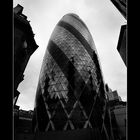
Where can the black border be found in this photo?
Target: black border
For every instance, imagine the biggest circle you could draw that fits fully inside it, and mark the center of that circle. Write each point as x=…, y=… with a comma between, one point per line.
x=6, y=57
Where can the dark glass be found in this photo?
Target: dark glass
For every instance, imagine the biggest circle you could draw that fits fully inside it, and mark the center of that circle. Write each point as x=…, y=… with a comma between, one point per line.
x=70, y=80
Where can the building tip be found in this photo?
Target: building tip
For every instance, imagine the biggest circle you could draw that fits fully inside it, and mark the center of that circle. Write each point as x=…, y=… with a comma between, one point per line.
x=72, y=14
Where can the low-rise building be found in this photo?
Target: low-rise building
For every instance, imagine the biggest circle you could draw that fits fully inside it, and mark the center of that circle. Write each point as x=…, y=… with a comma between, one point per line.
x=22, y=124
x=118, y=111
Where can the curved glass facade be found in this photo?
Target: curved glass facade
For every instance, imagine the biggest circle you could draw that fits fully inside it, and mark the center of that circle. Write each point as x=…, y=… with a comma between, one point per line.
x=70, y=93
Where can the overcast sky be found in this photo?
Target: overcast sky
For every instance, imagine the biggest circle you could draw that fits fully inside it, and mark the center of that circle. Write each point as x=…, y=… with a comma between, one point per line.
x=104, y=22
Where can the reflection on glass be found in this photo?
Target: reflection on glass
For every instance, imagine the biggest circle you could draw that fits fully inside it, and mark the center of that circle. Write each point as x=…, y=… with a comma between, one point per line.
x=71, y=78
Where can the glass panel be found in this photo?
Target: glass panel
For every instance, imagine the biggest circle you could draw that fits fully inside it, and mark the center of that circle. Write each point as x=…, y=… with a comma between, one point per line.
x=64, y=86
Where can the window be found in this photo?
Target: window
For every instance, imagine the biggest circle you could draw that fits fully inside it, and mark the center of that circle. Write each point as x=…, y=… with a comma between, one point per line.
x=25, y=44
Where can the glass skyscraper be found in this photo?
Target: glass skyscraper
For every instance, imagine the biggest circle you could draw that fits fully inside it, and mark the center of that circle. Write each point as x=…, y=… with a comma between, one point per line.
x=70, y=93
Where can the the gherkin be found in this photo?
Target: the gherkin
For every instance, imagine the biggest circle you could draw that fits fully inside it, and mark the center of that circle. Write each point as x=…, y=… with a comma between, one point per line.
x=70, y=93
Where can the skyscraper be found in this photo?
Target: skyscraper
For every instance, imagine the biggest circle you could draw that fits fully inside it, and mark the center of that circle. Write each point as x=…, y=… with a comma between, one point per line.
x=70, y=93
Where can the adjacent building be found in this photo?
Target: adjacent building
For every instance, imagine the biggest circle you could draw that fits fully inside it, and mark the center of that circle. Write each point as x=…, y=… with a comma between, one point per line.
x=70, y=95
x=121, y=5
x=122, y=44
x=113, y=96
x=119, y=120
x=118, y=112
x=118, y=107
x=24, y=46
x=23, y=121
x=22, y=124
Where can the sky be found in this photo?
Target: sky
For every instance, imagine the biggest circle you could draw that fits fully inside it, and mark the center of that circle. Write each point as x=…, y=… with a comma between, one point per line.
x=104, y=23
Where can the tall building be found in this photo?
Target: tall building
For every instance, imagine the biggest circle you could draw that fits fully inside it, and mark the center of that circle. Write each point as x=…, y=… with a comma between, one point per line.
x=24, y=46
x=70, y=93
